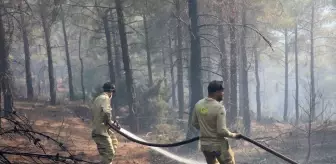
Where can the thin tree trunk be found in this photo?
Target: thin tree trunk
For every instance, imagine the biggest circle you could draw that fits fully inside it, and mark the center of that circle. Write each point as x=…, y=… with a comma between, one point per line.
x=68, y=60
x=117, y=61
x=1, y=112
x=312, y=65
x=164, y=67
x=206, y=69
x=5, y=73
x=118, y=71
x=240, y=66
x=29, y=80
x=46, y=29
x=309, y=138
x=285, y=116
x=323, y=109
x=195, y=64
x=245, y=94
x=172, y=75
x=82, y=65
x=109, y=48
x=224, y=60
x=149, y=61
x=109, y=57
x=209, y=65
x=296, y=77
x=128, y=72
x=232, y=116
x=256, y=71
x=180, y=86
x=0, y=95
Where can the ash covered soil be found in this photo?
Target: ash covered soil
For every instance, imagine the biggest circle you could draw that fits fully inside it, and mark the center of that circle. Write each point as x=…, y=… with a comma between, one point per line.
x=61, y=123
x=68, y=124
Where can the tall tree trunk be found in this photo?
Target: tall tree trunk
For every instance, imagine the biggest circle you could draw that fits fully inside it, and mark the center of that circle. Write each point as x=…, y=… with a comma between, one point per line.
x=195, y=64
x=5, y=73
x=245, y=94
x=1, y=112
x=285, y=116
x=149, y=61
x=110, y=57
x=172, y=75
x=312, y=65
x=256, y=72
x=296, y=77
x=128, y=72
x=82, y=65
x=68, y=60
x=207, y=68
x=0, y=94
x=117, y=61
x=46, y=29
x=29, y=80
x=209, y=65
x=232, y=116
x=164, y=66
x=240, y=66
x=224, y=60
x=109, y=47
x=180, y=86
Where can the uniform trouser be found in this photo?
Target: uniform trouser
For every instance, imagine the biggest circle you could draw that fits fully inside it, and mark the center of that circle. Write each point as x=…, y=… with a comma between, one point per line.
x=106, y=146
x=224, y=155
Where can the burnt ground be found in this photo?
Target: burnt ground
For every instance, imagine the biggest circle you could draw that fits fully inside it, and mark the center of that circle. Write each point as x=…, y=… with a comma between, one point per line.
x=68, y=124
x=62, y=124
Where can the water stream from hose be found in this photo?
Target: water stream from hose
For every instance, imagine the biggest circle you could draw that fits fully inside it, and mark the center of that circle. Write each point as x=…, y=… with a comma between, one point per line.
x=164, y=152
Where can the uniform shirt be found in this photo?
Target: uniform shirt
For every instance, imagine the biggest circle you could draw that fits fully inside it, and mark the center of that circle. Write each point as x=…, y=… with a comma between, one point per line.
x=209, y=117
x=101, y=111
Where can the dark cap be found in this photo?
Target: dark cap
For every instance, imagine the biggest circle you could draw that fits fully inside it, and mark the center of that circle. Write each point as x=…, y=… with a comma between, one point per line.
x=109, y=87
x=215, y=86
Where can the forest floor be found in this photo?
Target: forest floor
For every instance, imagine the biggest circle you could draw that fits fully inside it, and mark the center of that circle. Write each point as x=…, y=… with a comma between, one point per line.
x=61, y=123
x=68, y=123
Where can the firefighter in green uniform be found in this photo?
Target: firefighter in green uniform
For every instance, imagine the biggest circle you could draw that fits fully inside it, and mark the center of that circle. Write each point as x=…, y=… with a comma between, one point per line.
x=209, y=117
x=105, y=139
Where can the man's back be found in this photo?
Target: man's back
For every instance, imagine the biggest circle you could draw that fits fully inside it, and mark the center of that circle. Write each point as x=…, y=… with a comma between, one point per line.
x=100, y=104
x=206, y=112
x=209, y=116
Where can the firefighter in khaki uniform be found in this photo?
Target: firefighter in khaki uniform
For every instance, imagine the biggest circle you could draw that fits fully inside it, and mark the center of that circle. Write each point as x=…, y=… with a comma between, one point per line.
x=105, y=139
x=210, y=118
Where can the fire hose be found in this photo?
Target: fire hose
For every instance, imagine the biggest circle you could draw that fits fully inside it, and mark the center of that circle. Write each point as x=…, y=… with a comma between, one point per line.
x=116, y=127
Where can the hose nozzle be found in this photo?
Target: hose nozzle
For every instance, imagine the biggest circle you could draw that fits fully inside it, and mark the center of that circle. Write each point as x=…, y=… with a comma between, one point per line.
x=114, y=125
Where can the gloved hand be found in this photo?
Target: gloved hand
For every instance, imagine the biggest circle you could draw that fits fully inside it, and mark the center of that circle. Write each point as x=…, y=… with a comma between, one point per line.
x=114, y=124
x=237, y=136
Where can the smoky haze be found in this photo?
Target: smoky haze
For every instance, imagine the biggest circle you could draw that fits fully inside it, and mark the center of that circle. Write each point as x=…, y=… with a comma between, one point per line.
x=276, y=60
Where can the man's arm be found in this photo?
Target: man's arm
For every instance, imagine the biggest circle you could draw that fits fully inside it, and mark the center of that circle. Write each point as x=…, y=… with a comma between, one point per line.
x=106, y=108
x=194, y=119
x=221, y=124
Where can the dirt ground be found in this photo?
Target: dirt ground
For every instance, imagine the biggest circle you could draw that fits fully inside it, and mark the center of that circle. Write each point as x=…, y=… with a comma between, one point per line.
x=61, y=123
x=69, y=125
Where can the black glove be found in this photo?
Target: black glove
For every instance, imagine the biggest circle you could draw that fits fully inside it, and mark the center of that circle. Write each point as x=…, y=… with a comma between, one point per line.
x=115, y=124
x=238, y=136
